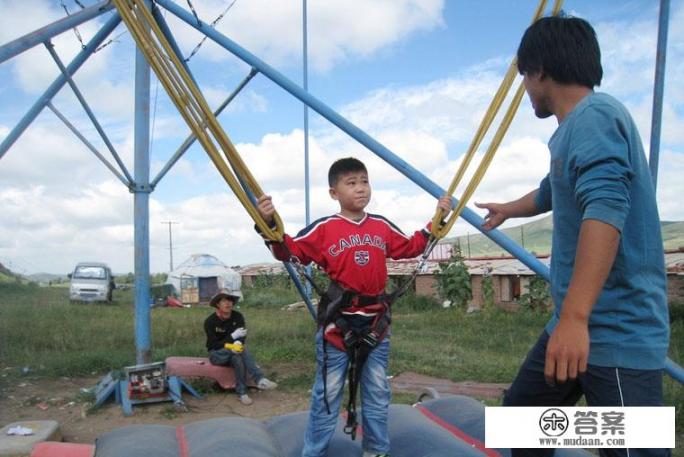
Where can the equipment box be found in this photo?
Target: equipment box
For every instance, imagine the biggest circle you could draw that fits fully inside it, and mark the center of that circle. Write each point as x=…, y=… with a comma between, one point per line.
x=147, y=383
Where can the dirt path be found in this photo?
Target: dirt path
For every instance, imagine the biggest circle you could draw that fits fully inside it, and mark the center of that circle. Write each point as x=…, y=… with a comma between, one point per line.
x=61, y=400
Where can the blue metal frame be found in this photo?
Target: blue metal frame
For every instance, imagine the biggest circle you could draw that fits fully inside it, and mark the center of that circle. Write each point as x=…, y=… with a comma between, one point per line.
x=190, y=140
x=21, y=44
x=55, y=87
x=88, y=144
x=89, y=112
x=658, y=90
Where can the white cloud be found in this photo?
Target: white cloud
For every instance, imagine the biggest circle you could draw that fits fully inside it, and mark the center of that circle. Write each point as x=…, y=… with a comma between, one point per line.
x=671, y=185
x=248, y=100
x=338, y=30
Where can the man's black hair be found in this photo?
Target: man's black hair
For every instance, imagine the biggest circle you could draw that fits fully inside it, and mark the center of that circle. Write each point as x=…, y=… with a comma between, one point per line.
x=343, y=166
x=564, y=48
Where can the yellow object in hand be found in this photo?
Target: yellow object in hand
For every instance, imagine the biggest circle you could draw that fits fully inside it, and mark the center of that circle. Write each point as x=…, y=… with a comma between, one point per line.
x=235, y=347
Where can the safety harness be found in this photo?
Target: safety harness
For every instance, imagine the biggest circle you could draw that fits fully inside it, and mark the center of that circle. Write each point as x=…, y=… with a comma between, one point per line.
x=360, y=335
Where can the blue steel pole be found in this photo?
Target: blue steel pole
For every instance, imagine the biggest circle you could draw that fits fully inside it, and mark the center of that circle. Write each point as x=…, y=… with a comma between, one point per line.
x=58, y=83
x=21, y=44
x=675, y=371
x=352, y=130
x=306, y=119
x=141, y=190
x=658, y=90
x=307, y=195
x=300, y=288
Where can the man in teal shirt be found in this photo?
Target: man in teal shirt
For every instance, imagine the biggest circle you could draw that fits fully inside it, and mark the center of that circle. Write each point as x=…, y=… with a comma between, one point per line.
x=609, y=334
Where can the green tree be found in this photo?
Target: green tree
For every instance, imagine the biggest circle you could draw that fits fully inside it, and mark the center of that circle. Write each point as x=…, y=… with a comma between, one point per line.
x=453, y=280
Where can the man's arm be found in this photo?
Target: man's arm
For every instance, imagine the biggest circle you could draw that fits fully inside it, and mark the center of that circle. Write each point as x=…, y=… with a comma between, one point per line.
x=568, y=349
x=525, y=206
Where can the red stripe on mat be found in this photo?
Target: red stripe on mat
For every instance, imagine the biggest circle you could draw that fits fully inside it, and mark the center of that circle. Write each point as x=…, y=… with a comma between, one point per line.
x=182, y=442
x=58, y=449
x=457, y=432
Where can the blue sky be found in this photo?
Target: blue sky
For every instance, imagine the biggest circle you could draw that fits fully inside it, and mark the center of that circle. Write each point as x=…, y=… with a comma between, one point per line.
x=415, y=74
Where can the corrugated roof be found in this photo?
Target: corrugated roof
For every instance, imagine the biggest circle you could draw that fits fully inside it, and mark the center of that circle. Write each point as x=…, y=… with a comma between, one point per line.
x=674, y=263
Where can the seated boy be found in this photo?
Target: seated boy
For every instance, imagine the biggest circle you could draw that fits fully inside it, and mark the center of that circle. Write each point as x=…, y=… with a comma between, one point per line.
x=351, y=247
x=227, y=326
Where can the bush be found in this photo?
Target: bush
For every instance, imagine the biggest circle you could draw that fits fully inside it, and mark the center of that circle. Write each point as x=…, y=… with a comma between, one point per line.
x=453, y=280
x=537, y=297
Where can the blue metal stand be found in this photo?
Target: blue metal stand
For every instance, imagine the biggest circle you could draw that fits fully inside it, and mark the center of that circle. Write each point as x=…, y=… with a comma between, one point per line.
x=109, y=386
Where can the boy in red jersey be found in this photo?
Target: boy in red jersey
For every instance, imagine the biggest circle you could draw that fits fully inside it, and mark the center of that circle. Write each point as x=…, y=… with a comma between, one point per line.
x=352, y=247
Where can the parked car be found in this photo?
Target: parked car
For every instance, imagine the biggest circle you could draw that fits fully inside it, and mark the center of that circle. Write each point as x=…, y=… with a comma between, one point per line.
x=91, y=281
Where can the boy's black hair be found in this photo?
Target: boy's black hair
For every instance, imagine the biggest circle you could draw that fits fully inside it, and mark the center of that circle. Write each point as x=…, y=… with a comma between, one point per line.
x=344, y=166
x=564, y=48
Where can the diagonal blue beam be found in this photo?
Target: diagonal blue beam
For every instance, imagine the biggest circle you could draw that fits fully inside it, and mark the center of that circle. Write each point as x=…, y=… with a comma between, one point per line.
x=88, y=144
x=21, y=44
x=51, y=49
x=192, y=138
x=55, y=87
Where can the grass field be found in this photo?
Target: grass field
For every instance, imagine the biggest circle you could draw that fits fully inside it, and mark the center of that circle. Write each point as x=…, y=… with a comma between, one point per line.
x=41, y=330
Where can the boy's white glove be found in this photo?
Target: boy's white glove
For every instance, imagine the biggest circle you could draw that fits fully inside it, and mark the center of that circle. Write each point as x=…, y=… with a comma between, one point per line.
x=239, y=333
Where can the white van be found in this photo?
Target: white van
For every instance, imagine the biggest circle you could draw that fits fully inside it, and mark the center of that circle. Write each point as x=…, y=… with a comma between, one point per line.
x=91, y=281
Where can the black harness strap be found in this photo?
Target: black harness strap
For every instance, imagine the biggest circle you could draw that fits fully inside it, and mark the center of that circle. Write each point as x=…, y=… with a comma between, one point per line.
x=358, y=355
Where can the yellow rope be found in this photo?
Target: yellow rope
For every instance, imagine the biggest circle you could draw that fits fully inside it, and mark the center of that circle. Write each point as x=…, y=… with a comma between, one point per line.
x=440, y=226
x=194, y=109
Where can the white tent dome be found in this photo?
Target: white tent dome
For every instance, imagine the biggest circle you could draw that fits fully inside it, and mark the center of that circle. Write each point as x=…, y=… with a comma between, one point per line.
x=206, y=275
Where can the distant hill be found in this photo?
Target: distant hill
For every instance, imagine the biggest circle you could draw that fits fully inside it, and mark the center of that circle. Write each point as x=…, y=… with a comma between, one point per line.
x=535, y=236
x=45, y=278
x=7, y=275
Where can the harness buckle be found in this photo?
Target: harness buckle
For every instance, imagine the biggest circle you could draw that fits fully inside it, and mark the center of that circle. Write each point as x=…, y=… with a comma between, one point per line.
x=370, y=339
x=349, y=339
x=350, y=427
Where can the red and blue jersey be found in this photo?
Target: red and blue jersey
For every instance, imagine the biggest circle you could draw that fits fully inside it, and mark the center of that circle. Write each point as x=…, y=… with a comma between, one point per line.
x=352, y=253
